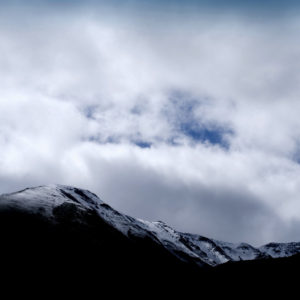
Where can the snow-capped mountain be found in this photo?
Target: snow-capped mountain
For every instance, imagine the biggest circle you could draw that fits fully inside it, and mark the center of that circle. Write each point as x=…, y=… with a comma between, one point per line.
x=57, y=203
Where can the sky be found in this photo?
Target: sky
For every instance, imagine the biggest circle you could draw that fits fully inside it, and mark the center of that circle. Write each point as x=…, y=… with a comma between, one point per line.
x=180, y=111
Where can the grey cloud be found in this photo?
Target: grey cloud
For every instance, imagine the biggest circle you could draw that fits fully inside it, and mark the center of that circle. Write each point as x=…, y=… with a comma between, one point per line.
x=217, y=211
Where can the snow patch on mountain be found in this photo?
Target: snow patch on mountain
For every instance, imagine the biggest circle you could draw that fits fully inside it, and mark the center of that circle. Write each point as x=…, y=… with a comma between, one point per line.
x=277, y=250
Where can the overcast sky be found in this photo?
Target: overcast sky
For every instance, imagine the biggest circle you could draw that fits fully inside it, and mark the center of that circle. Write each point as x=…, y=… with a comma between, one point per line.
x=180, y=111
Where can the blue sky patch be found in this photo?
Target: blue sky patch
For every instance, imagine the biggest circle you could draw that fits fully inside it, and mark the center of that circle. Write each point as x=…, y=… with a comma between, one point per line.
x=181, y=114
x=198, y=133
x=143, y=144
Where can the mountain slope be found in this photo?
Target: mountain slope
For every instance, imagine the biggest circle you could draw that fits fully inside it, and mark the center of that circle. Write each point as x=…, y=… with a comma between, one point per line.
x=59, y=238
x=57, y=204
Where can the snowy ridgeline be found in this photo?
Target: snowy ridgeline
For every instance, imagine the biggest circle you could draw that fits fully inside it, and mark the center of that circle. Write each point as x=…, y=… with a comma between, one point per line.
x=187, y=247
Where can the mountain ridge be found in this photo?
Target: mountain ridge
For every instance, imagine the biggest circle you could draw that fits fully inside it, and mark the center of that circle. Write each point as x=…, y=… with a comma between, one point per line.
x=58, y=202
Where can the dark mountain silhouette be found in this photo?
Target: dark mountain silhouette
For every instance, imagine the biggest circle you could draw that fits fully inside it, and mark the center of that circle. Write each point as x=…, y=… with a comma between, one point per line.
x=64, y=238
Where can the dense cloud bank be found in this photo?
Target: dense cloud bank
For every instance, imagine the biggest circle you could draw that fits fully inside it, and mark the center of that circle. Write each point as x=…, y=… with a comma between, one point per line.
x=194, y=121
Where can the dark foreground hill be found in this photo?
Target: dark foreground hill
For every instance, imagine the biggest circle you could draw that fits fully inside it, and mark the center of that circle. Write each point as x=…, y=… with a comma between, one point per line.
x=62, y=238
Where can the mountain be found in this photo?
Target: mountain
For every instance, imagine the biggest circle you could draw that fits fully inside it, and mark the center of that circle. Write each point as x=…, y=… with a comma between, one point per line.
x=57, y=202
x=64, y=233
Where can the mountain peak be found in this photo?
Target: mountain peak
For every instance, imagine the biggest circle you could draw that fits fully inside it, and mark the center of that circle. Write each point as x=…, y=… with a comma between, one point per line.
x=45, y=198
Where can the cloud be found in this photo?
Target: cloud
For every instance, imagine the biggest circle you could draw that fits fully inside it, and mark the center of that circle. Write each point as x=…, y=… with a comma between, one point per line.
x=190, y=120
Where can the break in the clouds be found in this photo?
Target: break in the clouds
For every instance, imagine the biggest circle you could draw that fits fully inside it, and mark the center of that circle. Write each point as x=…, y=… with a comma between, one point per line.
x=191, y=118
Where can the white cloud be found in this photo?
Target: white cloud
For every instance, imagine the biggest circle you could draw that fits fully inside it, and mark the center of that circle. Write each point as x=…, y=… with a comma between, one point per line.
x=76, y=92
